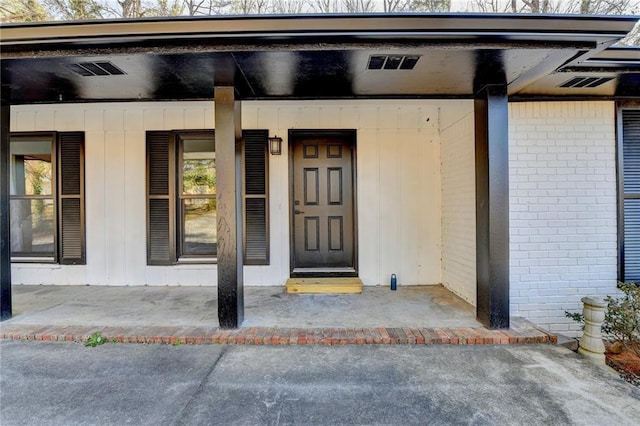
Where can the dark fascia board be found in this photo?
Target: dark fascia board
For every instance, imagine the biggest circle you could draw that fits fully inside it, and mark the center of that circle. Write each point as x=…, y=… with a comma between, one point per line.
x=620, y=52
x=327, y=28
x=615, y=58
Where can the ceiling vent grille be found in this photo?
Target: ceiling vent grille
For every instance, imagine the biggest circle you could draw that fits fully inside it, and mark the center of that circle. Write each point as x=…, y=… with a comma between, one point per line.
x=392, y=62
x=89, y=69
x=579, y=82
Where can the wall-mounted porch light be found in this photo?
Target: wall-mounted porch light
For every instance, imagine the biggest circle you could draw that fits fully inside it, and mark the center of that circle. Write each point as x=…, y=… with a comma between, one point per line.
x=275, y=145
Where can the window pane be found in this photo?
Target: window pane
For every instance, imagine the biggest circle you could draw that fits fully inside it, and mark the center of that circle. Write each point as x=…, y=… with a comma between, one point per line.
x=199, y=226
x=31, y=168
x=32, y=226
x=198, y=167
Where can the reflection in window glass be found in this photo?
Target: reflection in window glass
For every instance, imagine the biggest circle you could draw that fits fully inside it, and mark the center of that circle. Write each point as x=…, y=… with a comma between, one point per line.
x=31, y=171
x=198, y=167
x=199, y=236
x=198, y=197
x=32, y=226
x=32, y=208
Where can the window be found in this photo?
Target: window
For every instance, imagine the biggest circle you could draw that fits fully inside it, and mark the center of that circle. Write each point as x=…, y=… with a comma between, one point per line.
x=629, y=196
x=47, y=198
x=197, y=195
x=181, y=197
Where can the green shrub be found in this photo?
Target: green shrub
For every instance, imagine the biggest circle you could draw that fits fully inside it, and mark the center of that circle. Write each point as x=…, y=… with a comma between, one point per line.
x=576, y=316
x=622, y=317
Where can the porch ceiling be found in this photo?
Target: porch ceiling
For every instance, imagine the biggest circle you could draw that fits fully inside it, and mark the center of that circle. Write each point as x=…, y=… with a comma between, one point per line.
x=302, y=57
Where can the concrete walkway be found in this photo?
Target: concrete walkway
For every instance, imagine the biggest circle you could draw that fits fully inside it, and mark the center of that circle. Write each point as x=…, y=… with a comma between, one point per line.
x=411, y=315
x=45, y=383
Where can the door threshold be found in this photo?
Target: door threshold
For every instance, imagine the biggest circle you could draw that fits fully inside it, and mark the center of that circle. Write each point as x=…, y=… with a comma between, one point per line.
x=342, y=285
x=323, y=272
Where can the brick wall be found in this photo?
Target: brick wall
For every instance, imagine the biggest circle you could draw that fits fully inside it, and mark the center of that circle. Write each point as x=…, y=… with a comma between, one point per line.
x=562, y=208
x=457, y=154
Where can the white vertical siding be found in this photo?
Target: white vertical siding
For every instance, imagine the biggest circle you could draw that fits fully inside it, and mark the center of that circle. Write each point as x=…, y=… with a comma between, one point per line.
x=429, y=230
x=95, y=206
x=368, y=206
x=388, y=169
x=458, y=200
x=114, y=186
x=135, y=214
x=398, y=187
x=411, y=194
x=44, y=120
x=397, y=152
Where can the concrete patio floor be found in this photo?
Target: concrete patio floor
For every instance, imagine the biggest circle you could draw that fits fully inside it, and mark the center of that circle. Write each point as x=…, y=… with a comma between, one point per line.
x=415, y=306
x=410, y=315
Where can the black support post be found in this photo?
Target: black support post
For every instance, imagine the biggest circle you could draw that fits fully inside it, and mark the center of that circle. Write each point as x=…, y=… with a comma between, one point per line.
x=229, y=199
x=6, y=309
x=492, y=205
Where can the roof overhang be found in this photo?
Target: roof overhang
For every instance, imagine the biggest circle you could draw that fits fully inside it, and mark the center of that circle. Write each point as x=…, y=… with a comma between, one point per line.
x=319, y=56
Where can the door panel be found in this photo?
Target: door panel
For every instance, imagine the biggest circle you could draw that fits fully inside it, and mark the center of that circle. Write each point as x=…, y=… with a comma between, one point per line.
x=323, y=219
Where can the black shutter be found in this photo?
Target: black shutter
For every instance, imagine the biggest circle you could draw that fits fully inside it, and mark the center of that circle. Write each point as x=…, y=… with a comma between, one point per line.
x=71, y=198
x=160, y=205
x=256, y=231
x=631, y=208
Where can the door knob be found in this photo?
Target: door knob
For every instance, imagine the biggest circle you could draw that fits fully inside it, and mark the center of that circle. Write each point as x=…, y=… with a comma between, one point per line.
x=297, y=211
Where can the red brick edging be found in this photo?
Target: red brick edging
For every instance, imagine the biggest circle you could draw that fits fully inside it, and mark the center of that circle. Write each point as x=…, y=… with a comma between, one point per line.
x=283, y=336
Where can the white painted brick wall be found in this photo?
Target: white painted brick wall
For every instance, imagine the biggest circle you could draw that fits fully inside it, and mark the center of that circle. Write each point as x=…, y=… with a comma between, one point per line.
x=457, y=155
x=562, y=208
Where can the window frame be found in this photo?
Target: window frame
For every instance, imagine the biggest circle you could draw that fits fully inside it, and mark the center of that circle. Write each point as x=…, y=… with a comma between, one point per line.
x=69, y=248
x=179, y=137
x=24, y=257
x=621, y=107
x=162, y=199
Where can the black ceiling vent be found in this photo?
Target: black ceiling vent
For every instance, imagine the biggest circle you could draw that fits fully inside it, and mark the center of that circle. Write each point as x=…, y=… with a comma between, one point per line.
x=392, y=62
x=89, y=69
x=578, y=82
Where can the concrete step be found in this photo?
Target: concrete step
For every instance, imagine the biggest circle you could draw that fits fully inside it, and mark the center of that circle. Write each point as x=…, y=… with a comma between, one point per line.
x=347, y=285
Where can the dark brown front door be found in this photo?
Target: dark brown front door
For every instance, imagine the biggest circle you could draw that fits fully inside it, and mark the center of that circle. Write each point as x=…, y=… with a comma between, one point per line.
x=323, y=225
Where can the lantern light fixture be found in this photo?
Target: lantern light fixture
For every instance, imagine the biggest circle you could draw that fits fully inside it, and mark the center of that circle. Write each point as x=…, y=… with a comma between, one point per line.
x=275, y=145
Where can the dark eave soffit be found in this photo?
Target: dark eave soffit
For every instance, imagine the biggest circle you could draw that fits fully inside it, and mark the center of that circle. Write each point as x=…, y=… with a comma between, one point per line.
x=315, y=57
